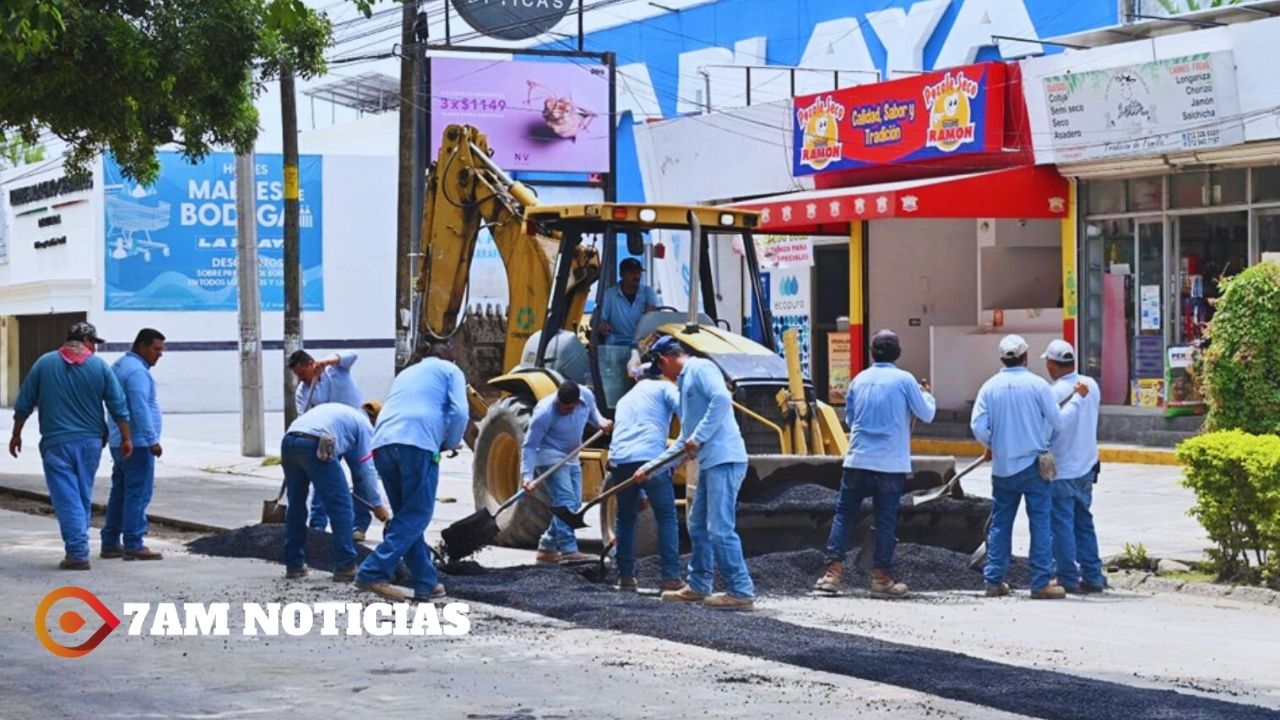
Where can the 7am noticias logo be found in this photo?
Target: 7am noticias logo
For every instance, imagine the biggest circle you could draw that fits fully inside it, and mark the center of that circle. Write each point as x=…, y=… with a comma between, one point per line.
x=269, y=619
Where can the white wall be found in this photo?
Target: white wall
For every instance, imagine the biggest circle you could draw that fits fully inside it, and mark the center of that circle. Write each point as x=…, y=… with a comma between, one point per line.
x=965, y=357
x=56, y=278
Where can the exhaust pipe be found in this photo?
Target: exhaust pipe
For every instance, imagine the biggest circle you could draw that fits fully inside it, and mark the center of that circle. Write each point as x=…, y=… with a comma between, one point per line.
x=695, y=264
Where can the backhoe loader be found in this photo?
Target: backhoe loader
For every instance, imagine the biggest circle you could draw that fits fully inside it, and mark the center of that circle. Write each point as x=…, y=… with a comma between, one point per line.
x=556, y=257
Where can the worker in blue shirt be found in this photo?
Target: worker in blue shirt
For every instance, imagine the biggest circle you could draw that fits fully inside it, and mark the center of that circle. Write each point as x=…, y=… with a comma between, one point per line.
x=70, y=386
x=133, y=478
x=1077, y=564
x=555, y=430
x=424, y=415
x=310, y=452
x=878, y=409
x=642, y=425
x=620, y=311
x=325, y=381
x=1013, y=416
x=709, y=432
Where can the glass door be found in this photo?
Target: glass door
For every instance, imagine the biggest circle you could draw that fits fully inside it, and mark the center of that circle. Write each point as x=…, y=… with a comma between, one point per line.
x=1268, y=235
x=1209, y=247
x=1148, y=332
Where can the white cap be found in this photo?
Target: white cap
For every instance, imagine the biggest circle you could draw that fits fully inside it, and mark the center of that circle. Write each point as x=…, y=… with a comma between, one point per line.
x=1059, y=351
x=1013, y=346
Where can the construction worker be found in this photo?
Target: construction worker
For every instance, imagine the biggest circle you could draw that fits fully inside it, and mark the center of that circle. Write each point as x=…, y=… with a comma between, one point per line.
x=310, y=452
x=555, y=431
x=642, y=424
x=709, y=433
x=1013, y=416
x=620, y=311
x=424, y=415
x=1075, y=448
x=134, y=477
x=70, y=386
x=325, y=381
x=878, y=409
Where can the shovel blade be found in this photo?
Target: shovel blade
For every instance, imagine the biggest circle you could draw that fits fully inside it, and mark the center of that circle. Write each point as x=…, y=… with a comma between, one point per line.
x=570, y=518
x=469, y=534
x=273, y=513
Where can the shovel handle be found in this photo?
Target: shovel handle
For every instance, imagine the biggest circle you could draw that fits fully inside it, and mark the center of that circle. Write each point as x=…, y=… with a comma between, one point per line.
x=550, y=471
x=283, y=485
x=602, y=497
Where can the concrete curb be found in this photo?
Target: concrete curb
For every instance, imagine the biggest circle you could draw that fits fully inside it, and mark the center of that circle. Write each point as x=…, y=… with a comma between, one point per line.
x=175, y=523
x=1143, y=581
x=1107, y=453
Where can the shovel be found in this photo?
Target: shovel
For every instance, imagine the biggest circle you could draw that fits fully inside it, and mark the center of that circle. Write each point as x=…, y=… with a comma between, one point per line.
x=478, y=529
x=577, y=521
x=273, y=511
x=921, y=498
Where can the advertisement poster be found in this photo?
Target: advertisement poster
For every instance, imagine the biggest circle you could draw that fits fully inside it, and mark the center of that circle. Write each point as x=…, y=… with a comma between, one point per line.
x=1150, y=307
x=776, y=251
x=1174, y=105
x=928, y=116
x=1182, y=388
x=839, y=372
x=789, y=302
x=546, y=116
x=171, y=245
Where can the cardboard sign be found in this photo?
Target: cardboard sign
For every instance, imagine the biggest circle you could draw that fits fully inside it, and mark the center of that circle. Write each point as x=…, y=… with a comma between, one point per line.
x=839, y=369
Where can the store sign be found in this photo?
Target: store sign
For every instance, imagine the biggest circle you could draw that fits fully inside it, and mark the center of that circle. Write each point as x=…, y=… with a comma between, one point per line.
x=47, y=189
x=545, y=116
x=512, y=19
x=926, y=117
x=777, y=251
x=1175, y=105
x=171, y=245
x=790, y=304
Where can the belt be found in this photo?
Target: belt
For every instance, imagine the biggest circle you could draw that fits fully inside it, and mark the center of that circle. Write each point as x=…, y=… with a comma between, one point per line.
x=308, y=436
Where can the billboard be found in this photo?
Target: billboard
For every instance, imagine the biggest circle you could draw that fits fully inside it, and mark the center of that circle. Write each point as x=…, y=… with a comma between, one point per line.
x=544, y=116
x=171, y=245
x=925, y=117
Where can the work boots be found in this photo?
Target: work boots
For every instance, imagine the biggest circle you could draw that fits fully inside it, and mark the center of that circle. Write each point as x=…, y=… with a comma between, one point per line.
x=345, y=575
x=1049, y=592
x=547, y=557
x=296, y=573
x=884, y=586
x=111, y=553
x=143, y=553
x=725, y=601
x=684, y=594
x=1000, y=590
x=830, y=581
x=577, y=557
x=69, y=564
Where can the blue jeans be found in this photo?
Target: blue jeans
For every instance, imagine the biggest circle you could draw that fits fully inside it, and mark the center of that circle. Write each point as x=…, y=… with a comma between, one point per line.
x=363, y=516
x=1074, y=539
x=132, y=480
x=885, y=491
x=662, y=498
x=713, y=532
x=302, y=470
x=68, y=472
x=1006, y=494
x=565, y=489
x=410, y=476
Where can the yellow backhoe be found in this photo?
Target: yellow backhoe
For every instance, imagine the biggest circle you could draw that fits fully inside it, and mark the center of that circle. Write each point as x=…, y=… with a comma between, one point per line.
x=556, y=257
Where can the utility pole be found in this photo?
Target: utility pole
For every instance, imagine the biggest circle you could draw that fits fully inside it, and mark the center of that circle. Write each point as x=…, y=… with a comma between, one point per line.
x=405, y=200
x=252, y=442
x=292, y=252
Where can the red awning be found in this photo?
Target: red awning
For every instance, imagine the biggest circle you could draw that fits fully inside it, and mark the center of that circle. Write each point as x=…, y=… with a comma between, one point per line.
x=1020, y=193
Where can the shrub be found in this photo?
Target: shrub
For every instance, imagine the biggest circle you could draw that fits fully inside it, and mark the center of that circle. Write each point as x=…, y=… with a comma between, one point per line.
x=1242, y=360
x=1236, y=480
x=1134, y=557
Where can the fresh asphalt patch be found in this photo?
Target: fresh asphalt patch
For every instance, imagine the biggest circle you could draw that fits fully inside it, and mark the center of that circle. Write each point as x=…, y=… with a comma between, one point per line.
x=565, y=594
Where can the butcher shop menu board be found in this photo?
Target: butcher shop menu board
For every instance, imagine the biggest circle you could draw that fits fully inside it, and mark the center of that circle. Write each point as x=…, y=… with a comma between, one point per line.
x=547, y=116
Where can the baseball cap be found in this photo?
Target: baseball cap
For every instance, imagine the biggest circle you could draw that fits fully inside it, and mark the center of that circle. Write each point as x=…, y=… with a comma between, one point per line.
x=630, y=264
x=885, y=344
x=665, y=345
x=84, y=331
x=1012, y=347
x=1059, y=351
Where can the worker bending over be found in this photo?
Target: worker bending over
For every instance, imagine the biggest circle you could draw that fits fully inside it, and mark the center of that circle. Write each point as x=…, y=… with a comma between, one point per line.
x=878, y=409
x=327, y=381
x=555, y=432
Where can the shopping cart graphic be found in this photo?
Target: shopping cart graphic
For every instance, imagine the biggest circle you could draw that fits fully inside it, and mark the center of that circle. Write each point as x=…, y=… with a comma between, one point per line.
x=126, y=217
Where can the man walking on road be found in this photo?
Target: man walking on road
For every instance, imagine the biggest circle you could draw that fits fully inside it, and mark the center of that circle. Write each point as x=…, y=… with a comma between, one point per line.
x=134, y=477
x=310, y=453
x=1078, y=566
x=1013, y=416
x=327, y=381
x=642, y=424
x=709, y=432
x=878, y=409
x=425, y=414
x=555, y=431
x=69, y=386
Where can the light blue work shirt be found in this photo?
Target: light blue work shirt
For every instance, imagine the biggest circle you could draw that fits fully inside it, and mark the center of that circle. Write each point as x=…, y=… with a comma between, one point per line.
x=145, y=421
x=878, y=409
x=352, y=435
x=426, y=408
x=334, y=385
x=1075, y=444
x=642, y=421
x=1014, y=414
x=70, y=397
x=623, y=315
x=552, y=435
x=706, y=415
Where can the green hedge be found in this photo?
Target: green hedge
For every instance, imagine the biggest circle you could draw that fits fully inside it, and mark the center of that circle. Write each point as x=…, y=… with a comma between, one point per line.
x=1242, y=361
x=1236, y=479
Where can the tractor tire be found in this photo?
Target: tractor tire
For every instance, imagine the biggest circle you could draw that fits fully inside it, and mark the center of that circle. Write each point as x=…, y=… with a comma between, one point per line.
x=496, y=473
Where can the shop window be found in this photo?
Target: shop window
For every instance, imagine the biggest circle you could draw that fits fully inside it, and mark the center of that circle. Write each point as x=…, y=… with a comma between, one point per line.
x=1268, y=235
x=1105, y=197
x=1266, y=183
x=1146, y=194
x=1207, y=188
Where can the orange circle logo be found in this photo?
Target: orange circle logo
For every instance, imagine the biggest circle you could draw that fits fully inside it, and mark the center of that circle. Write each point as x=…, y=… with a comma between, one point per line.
x=72, y=621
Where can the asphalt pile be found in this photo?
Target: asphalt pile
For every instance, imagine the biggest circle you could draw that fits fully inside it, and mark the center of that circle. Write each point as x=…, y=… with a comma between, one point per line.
x=566, y=594
x=800, y=498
